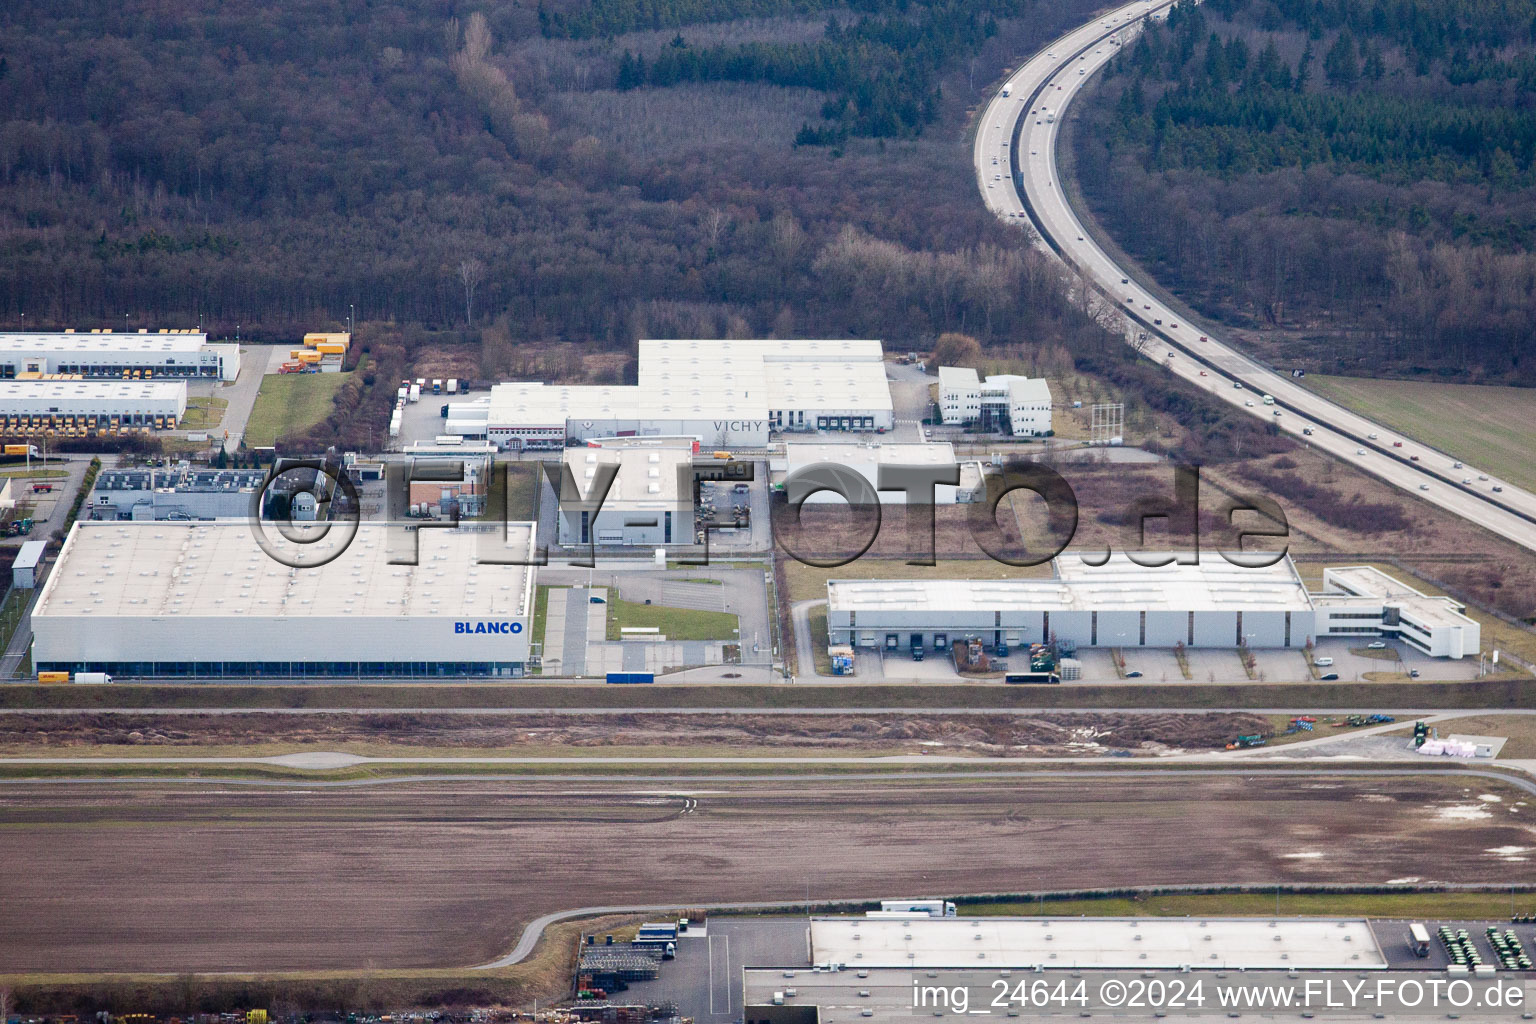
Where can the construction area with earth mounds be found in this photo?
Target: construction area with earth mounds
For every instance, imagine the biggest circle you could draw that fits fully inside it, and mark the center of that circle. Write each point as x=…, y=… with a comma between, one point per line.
x=182, y=876
x=1040, y=734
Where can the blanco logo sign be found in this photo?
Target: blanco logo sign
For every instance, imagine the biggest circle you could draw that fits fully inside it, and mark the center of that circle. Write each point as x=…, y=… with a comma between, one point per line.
x=487, y=627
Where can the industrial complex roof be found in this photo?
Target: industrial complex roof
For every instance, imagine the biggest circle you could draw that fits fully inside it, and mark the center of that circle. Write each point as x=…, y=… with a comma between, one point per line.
x=92, y=390
x=1022, y=942
x=218, y=569
x=1365, y=584
x=1214, y=584
x=60, y=341
x=702, y=379
x=647, y=476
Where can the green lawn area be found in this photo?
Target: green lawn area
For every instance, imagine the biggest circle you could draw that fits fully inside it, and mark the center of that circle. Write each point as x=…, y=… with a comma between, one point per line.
x=205, y=413
x=1494, y=428
x=291, y=403
x=817, y=617
x=674, y=623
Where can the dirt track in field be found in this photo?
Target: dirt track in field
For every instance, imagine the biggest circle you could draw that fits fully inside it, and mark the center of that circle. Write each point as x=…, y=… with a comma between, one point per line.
x=168, y=877
x=1036, y=735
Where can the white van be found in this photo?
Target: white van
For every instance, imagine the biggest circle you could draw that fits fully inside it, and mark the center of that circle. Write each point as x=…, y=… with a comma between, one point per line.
x=1323, y=662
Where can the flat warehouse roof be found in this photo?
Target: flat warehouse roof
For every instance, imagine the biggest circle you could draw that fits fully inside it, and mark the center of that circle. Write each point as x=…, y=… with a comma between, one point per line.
x=1020, y=942
x=646, y=478
x=712, y=379
x=104, y=390
x=155, y=569
x=58, y=341
x=1213, y=585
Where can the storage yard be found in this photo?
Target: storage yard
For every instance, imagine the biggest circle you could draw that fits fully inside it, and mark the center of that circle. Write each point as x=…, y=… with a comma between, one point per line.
x=179, y=877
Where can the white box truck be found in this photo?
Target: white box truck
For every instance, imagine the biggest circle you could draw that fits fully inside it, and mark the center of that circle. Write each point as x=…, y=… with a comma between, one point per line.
x=932, y=908
x=453, y=385
x=415, y=392
x=93, y=678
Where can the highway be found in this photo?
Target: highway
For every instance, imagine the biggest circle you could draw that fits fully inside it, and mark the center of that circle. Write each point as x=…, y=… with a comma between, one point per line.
x=1016, y=169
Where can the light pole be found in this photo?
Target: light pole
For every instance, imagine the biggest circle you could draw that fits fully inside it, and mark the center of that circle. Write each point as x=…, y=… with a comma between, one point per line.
x=351, y=318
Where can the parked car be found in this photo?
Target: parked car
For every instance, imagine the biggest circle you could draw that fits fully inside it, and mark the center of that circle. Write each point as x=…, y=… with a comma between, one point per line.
x=1329, y=677
x=1377, y=645
x=1134, y=673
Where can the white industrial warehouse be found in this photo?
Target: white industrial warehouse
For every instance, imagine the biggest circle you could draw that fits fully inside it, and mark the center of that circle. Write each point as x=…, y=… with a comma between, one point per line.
x=727, y=394
x=1095, y=943
x=1213, y=604
x=866, y=460
x=206, y=599
x=131, y=402
x=107, y=354
x=646, y=503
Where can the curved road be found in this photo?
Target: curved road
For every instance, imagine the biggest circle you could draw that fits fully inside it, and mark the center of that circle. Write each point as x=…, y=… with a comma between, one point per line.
x=1015, y=157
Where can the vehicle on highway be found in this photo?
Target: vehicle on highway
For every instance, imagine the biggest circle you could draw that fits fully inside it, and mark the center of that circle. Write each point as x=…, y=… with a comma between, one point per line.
x=1202, y=373
x=1082, y=71
x=1173, y=327
x=1376, y=645
x=1466, y=480
x=1277, y=412
x=1455, y=465
x=1170, y=355
x=1125, y=280
x=1238, y=385
x=1204, y=338
x=1413, y=458
x=1034, y=152
x=1079, y=238
x=1307, y=431
x=1497, y=488
x=1158, y=322
x=1269, y=399
x=1371, y=436
x=1423, y=487
x=1248, y=404
x=1146, y=307
x=1359, y=451
x=1482, y=476
x=1397, y=444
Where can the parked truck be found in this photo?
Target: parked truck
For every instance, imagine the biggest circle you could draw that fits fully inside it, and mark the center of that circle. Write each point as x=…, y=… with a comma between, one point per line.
x=415, y=393
x=933, y=908
x=453, y=385
x=21, y=449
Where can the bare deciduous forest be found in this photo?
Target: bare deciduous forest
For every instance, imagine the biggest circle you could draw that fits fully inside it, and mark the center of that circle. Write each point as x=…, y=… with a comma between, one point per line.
x=1351, y=180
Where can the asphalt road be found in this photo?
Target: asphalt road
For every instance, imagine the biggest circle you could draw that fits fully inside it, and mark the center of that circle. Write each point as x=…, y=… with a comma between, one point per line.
x=1037, y=93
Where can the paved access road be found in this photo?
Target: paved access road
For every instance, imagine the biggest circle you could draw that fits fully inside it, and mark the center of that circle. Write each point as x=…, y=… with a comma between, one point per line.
x=1023, y=185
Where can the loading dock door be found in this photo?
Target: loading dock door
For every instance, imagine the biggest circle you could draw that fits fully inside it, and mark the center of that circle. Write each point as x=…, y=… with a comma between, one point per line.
x=892, y=641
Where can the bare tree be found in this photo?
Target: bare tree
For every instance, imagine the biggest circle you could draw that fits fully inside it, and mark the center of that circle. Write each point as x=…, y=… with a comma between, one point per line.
x=714, y=226
x=471, y=272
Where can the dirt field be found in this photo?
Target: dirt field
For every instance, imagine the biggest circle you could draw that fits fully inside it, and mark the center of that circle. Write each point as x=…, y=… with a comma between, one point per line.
x=464, y=735
x=172, y=877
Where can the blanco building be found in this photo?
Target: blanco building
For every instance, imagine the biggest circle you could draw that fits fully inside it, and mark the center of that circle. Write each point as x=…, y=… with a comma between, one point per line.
x=1362, y=600
x=1214, y=604
x=106, y=354
x=1008, y=403
x=727, y=394
x=206, y=600
x=646, y=504
x=866, y=460
x=132, y=402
